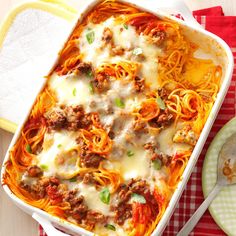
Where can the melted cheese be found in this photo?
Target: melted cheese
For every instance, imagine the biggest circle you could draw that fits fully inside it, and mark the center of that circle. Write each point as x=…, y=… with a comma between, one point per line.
x=74, y=90
x=101, y=230
x=97, y=53
x=166, y=144
x=92, y=199
x=59, y=142
x=70, y=89
x=136, y=166
x=28, y=180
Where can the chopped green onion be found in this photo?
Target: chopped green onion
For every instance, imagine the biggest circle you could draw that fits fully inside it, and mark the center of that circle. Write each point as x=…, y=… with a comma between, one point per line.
x=138, y=198
x=109, y=226
x=59, y=145
x=72, y=160
x=137, y=51
x=125, y=26
x=28, y=148
x=91, y=88
x=130, y=153
x=161, y=103
x=74, y=92
x=90, y=36
x=157, y=164
x=119, y=103
x=90, y=73
x=74, y=179
x=44, y=167
x=105, y=196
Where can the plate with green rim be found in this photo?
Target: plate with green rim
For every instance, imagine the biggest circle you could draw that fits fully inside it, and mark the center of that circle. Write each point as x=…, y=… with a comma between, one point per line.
x=223, y=208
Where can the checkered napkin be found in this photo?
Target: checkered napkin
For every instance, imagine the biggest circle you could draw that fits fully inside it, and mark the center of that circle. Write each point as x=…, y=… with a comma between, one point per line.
x=213, y=20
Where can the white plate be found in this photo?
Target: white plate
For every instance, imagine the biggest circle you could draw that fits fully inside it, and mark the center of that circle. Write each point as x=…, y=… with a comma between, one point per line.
x=223, y=208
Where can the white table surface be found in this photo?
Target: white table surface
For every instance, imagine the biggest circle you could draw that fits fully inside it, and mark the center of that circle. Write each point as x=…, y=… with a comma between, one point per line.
x=13, y=221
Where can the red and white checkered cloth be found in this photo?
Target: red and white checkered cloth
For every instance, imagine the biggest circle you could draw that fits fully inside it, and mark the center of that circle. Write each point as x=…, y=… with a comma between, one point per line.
x=213, y=20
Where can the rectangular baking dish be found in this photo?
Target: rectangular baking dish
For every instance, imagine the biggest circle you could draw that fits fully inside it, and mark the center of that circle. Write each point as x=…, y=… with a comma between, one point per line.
x=210, y=44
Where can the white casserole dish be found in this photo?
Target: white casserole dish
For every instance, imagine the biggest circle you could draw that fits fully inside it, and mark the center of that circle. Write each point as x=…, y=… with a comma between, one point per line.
x=210, y=43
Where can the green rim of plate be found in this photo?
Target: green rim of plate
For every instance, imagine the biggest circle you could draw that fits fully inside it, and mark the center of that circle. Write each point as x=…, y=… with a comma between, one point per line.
x=223, y=208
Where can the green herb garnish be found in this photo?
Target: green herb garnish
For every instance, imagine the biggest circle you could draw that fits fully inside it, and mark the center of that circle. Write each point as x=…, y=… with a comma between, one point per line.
x=74, y=92
x=137, y=51
x=125, y=26
x=161, y=103
x=91, y=88
x=138, y=198
x=109, y=226
x=157, y=164
x=74, y=179
x=59, y=145
x=28, y=148
x=44, y=167
x=119, y=103
x=130, y=153
x=105, y=196
x=90, y=36
x=90, y=73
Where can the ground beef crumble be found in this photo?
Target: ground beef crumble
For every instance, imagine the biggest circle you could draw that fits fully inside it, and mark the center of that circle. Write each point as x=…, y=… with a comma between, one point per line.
x=156, y=154
x=139, y=84
x=164, y=119
x=34, y=171
x=56, y=119
x=70, y=118
x=163, y=93
x=164, y=158
x=107, y=35
x=58, y=193
x=94, y=217
x=84, y=67
x=101, y=82
x=39, y=189
x=79, y=210
x=88, y=159
x=88, y=178
x=123, y=207
x=158, y=37
x=76, y=118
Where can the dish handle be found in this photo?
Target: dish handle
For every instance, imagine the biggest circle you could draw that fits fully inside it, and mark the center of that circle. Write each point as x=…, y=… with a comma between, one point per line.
x=47, y=226
x=174, y=7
